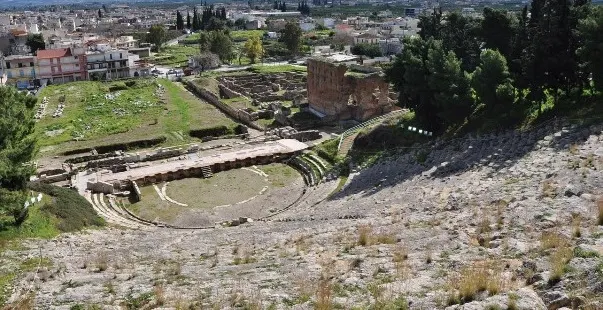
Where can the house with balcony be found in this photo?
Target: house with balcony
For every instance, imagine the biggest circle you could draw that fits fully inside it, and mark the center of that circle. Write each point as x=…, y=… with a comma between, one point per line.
x=111, y=64
x=62, y=65
x=20, y=70
x=366, y=38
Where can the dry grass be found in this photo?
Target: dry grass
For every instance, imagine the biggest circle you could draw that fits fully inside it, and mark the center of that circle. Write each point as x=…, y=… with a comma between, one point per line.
x=474, y=279
x=558, y=261
x=159, y=293
x=551, y=240
x=367, y=237
x=101, y=262
x=576, y=223
x=25, y=302
x=600, y=211
x=324, y=295
x=400, y=254
x=549, y=189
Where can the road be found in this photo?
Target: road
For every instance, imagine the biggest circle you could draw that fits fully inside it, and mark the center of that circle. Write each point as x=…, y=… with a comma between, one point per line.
x=175, y=41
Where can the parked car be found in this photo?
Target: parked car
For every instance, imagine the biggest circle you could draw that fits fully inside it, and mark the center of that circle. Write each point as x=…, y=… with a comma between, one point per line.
x=172, y=71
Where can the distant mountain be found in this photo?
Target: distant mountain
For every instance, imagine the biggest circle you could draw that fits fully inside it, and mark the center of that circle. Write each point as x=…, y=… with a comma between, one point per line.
x=35, y=4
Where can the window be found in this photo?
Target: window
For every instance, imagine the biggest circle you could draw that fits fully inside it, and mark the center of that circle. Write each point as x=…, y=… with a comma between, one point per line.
x=121, y=56
x=31, y=64
x=9, y=75
x=7, y=65
x=20, y=65
x=75, y=57
x=77, y=65
x=111, y=56
x=21, y=73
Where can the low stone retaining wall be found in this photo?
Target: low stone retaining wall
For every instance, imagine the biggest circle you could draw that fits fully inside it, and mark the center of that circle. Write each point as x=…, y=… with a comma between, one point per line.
x=239, y=115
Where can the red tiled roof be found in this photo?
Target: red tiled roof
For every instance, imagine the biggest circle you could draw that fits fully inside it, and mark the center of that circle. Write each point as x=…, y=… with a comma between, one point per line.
x=56, y=53
x=18, y=32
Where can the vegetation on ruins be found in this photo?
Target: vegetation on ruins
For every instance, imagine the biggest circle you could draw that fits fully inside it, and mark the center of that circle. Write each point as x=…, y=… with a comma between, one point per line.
x=534, y=65
x=100, y=113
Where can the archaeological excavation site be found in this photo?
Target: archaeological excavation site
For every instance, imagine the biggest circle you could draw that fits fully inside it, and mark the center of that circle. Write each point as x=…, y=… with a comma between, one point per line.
x=300, y=187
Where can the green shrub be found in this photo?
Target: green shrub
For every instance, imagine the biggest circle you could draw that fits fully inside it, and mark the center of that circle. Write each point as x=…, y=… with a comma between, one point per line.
x=72, y=210
x=328, y=150
x=117, y=87
x=120, y=146
x=216, y=131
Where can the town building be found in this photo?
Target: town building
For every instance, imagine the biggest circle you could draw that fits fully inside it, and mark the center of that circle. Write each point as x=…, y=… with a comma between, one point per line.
x=19, y=70
x=61, y=65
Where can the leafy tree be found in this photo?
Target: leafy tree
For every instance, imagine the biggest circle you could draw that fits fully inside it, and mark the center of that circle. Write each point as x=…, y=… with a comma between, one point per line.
x=254, y=49
x=498, y=30
x=240, y=23
x=188, y=21
x=221, y=45
x=35, y=42
x=291, y=36
x=207, y=60
x=519, y=45
x=156, y=36
x=204, y=42
x=449, y=85
x=591, y=52
x=431, y=82
x=493, y=85
x=179, y=21
x=214, y=24
x=100, y=14
x=196, y=20
x=368, y=50
x=430, y=25
x=460, y=34
x=17, y=149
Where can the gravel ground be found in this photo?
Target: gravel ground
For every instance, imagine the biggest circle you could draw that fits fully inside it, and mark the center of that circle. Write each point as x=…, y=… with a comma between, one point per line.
x=499, y=209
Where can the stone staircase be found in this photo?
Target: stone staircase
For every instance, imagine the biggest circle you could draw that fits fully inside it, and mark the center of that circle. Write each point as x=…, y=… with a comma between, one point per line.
x=206, y=172
x=346, y=145
x=346, y=140
x=111, y=213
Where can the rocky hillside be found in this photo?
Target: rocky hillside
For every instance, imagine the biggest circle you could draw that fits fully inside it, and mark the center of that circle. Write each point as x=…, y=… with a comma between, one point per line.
x=506, y=221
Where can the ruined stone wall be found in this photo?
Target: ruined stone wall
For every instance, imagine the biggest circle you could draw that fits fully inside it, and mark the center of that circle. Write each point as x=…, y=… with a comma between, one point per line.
x=343, y=96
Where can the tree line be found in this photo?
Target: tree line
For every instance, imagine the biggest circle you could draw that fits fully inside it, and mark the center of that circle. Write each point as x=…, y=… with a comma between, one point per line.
x=210, y=19
x=496, y=70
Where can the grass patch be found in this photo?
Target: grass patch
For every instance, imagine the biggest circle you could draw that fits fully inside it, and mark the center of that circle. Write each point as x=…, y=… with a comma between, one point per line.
x=208, y=83
x=367, y=236
x=239, y=103
x=328, y=150
x=174, y=55
x=277, y=68
x=6, y=281
x=136, y=113
x=280, y=175
x=72, y=211
x=472, y=280
x=244, y=35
